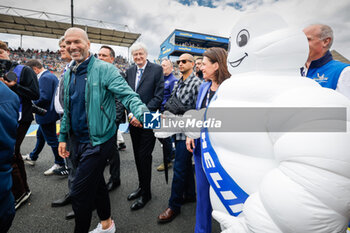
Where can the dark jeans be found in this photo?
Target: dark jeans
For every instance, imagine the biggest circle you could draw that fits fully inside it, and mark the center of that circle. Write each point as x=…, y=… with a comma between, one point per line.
x=6, y=221
x=19, y=176
x=183, y=179
x=47, y=132
x=89, y=188
x=7, y=211
x=167, y=148
x=114, y=163
x=143, y=142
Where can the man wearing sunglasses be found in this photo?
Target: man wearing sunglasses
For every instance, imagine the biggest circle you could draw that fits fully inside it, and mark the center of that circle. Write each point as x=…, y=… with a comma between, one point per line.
x=182, y=188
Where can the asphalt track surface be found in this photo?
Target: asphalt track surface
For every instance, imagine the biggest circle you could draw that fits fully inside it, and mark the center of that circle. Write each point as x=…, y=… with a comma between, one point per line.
x=37, y=215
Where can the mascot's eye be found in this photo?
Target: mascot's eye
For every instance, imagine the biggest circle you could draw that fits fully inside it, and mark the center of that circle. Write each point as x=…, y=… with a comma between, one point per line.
x=242, y=38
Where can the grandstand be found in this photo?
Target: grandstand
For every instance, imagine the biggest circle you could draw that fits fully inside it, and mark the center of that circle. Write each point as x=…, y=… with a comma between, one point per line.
x=49, y=25
x=180, y=41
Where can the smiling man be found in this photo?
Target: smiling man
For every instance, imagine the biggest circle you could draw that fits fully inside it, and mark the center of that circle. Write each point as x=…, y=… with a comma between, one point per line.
x=89, y=113
x=70, y=161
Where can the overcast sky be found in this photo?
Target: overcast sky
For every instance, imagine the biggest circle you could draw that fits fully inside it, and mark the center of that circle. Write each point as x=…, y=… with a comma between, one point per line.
x=156, y=19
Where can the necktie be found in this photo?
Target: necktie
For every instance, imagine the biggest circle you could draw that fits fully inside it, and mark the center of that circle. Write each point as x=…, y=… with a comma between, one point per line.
x=138, y=78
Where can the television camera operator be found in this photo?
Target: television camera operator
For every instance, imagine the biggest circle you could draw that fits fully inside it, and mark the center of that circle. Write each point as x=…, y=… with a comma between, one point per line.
x=23, y=81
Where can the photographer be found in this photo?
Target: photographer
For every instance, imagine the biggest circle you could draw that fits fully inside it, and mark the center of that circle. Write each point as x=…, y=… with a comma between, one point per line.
x=47, y=121
x=26, y=86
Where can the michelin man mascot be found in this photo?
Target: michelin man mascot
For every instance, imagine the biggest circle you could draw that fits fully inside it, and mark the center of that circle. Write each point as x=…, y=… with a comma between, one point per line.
x=291, y=181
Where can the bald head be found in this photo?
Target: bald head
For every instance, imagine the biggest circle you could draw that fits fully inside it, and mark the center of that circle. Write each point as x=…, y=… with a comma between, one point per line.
x=167, y=66
x=320, y=38
x=77, y=44
x=187, y=56
x=77, y=31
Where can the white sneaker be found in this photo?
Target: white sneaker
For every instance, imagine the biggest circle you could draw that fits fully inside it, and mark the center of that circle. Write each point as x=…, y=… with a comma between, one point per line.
x=99, y=229
x=22, y=199
x=50, y=172
x=26, y=158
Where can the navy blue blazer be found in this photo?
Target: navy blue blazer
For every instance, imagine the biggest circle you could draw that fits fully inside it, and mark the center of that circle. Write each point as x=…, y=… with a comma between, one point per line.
x=47, y=86
x=9, y=107
x=151, y=86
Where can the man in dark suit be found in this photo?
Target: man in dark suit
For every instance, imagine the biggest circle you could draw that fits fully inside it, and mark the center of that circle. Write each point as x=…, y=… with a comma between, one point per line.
x=146, y=79
x=47, y=123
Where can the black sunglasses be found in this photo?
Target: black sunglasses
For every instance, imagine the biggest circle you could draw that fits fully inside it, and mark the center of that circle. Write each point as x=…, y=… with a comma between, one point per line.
x=183, y=61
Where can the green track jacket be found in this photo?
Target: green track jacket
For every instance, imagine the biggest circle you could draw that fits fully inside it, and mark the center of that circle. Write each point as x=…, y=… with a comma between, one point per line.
x=103, y=83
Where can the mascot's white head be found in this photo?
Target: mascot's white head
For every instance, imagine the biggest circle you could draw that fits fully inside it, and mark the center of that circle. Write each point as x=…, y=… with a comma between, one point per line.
x=264, y=42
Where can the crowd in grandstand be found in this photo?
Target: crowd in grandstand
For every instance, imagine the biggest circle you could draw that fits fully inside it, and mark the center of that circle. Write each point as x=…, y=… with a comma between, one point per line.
x=51, y=59
x=189, y=44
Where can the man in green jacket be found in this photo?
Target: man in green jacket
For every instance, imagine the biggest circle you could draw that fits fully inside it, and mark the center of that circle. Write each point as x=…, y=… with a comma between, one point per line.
x=90, y=86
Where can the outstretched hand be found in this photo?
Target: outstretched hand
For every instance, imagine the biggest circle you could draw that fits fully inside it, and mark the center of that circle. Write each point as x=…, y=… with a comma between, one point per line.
x=135, y=122
x=190, y=144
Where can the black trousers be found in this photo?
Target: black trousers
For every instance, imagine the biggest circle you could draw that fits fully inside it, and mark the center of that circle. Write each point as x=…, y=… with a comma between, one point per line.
x=19, y=175
x=71, y=161
x=89, y=187
x=143, y=142
x=167, y=148
x=6, y=221
x=114, y=163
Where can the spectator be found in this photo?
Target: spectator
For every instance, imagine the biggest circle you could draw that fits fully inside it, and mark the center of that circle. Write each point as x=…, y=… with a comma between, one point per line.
x=27, y=88
x=147, y=80
x=90, y=117
x=198, y=66
x=215, y=71
x=47, y=123
x=71, y=160
x=182, y=188
x=107, y=54
x=320, y=65
x=169, y=82
x=9, y=107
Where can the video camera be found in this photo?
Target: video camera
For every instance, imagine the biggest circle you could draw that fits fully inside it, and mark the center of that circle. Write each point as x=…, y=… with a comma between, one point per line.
x=37, y=110
x=5, y=66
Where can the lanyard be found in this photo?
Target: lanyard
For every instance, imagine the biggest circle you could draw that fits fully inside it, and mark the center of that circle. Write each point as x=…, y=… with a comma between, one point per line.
x=208, y=96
